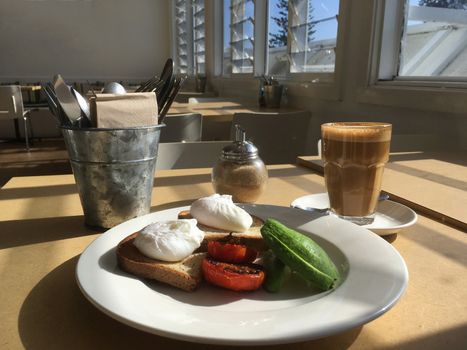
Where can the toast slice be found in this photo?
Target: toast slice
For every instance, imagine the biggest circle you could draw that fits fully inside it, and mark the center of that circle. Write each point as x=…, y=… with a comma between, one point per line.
x=185, y=274
x=252, y=236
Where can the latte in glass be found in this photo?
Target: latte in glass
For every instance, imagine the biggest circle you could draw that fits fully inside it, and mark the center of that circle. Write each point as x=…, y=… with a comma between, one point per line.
x=354, y=155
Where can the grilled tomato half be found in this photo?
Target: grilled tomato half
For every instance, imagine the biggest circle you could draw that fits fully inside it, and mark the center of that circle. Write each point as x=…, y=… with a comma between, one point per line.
x=232, y=250
x=233, y=276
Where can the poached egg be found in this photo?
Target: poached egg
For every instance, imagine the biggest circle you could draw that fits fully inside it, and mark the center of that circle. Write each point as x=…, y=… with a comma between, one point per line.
x=171, y=240
x=219, y=211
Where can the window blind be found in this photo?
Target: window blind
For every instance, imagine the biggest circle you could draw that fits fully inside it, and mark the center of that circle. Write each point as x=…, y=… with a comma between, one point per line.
x=242, y=35
x=181, y=37
x=199, y=36
x=189, y=28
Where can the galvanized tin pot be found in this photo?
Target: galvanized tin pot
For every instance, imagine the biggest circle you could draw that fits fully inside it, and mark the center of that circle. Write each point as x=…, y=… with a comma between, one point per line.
x=273, y=95
x=114, y=171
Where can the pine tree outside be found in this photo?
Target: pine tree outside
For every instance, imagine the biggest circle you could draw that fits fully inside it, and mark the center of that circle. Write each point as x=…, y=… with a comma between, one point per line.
x=312, y=31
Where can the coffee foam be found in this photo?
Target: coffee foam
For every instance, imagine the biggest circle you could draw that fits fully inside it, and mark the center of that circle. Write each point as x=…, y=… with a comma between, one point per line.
x=357, y=132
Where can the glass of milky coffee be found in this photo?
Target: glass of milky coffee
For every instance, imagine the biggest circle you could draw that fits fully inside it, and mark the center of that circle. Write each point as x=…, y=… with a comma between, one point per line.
x=354, y=155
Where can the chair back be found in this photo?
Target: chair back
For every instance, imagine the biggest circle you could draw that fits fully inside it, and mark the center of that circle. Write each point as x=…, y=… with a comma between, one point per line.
x=182, y=127
x=11, y=102
x=280, y=137
x=183, y=155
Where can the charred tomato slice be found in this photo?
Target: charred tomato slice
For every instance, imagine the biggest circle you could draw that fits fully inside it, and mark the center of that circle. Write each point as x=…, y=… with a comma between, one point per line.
x=232, y=276
x=231, y=250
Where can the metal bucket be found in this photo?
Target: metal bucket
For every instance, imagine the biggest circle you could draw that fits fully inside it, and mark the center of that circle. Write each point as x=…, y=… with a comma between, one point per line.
x=200, y=84
x=273, y=95
x=114, y=171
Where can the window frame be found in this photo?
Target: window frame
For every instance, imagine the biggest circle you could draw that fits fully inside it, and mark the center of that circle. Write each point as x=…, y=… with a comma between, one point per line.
x=307, y=77
x=425, y=93
x=219, y=43
x=321, y=85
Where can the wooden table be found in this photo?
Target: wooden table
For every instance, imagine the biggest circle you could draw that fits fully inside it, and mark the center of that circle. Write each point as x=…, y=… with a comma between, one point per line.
x=224, y=107
x=42, y=235
x=217, y=116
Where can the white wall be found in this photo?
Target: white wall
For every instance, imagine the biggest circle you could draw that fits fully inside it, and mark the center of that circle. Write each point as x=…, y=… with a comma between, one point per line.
x=83, y=39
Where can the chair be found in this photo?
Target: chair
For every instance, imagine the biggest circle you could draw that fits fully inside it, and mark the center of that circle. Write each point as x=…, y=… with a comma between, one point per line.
x=182, y=155
x=182, y=128
x=12, y=108
x=280, y=137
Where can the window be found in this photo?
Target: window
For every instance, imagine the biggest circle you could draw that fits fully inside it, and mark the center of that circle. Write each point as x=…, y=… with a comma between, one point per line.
x=238, y=36
x=189, y=36
x=313, y=33
x=417, y=56
x=434, y=41
x=278, y=62
x=302, y=36
x=431, y=44
x=276, y=37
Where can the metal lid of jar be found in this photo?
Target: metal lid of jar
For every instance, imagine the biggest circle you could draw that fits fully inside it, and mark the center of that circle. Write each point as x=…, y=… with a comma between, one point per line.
x=240, y=149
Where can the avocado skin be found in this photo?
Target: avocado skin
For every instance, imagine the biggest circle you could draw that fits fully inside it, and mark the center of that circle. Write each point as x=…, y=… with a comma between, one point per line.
x=301, y=254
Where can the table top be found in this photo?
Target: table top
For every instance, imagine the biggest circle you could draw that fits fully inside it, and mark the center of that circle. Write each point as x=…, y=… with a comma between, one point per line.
x=223, y=108
x=42, y=235
x=218, y=114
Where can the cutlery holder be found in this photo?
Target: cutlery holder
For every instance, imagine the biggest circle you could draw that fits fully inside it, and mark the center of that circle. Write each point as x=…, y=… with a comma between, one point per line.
x=273, y=95
x=114, y=171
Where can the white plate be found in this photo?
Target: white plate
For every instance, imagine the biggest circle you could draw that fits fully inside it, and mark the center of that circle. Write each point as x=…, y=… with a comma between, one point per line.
x=374, y=278
x=391, y=217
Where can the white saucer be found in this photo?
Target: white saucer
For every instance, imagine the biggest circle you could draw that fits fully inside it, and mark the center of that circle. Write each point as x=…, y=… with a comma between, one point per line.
x=391, y=217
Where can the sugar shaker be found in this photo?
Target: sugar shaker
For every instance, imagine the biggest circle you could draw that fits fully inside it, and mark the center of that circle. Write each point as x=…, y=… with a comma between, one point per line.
x=239, y=171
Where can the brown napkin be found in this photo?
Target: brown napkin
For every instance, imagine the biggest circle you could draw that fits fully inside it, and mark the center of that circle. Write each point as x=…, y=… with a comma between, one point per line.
x=120, y=111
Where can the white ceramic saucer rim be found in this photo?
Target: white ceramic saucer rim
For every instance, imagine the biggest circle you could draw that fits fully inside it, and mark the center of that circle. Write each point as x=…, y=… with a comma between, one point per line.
x=380, y=230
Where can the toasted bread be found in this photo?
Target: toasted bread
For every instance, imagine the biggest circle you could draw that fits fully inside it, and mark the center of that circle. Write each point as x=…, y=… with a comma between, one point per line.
x=252, y=236
x=185, y=274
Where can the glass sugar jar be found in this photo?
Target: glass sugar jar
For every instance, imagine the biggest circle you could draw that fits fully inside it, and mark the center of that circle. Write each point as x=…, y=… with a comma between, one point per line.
x=239, y=171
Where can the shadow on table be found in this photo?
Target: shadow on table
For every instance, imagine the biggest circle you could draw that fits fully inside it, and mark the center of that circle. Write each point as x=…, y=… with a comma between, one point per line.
x=428, y=175
x=159, y=181
x=46, y=157
x=34, y=168
x=16, y=233
x=449, y=157
x=453, y=338
x=40, y=191
x=189, y=179
x=55, y=315
x=442, y=244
